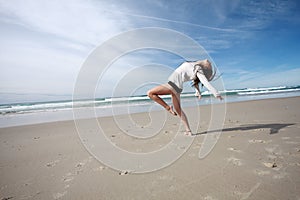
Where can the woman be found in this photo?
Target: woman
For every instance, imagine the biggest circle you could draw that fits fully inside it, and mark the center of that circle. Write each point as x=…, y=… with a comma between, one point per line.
x=198, y=71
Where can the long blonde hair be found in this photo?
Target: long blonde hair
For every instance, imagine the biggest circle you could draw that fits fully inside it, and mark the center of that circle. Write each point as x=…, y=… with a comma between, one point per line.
x=208, y=71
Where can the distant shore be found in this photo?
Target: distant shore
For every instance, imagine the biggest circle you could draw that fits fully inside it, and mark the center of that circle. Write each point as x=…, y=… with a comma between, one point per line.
x=256, y=157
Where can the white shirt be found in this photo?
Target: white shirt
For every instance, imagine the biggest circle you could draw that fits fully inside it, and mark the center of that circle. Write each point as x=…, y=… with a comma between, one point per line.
x=185, y=72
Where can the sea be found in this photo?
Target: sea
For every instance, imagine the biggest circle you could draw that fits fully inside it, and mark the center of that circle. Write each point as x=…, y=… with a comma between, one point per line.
x=17, y=114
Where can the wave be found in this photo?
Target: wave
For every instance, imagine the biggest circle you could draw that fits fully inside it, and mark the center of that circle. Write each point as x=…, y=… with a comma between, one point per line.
x=133, y=100
x=269, y=90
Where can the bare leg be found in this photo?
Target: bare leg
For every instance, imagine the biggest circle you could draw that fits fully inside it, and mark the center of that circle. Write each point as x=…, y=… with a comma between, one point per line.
x=182, y=115
x=161, y=90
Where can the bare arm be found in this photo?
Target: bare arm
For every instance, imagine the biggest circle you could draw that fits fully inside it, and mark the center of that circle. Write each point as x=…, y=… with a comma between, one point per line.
x=205, y=82
x=198, y=92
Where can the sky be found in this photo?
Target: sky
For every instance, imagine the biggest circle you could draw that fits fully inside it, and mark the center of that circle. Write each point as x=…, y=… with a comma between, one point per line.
x=45, y=43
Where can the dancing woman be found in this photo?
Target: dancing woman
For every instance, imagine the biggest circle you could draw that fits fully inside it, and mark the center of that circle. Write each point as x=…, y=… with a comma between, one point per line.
x=200, y=71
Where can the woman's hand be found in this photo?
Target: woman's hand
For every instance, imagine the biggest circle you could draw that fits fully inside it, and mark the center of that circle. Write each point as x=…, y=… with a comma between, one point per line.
x=198, y=93
x=220, y=97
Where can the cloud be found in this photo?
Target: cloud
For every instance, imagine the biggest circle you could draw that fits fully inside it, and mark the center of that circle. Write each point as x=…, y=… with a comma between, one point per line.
x=246, y=79
x=215, y=44
x=44, y=43
x=135, y=81
x=257, y=15
x=223, y=8
x=181, y=22
x=77, y=20
x=32, y=69
x=286, y=77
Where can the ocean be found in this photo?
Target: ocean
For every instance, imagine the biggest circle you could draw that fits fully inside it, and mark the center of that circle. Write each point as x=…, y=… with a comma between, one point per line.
x=40, y=112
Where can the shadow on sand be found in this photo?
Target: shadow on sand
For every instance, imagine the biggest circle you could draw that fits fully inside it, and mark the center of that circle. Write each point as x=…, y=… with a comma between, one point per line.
x=274, y=128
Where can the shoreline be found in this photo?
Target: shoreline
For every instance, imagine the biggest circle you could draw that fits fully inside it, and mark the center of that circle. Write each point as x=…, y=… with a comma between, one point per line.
x=25, y=119
x=257, y=156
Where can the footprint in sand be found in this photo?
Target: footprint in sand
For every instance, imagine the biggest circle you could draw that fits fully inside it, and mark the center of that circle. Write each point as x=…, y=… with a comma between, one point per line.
x=257, y=141
x=80, y=164
x=234, y=150
x=261, y=172
x=53, y=163
x=124, y=172
x=234, y=161
x=273, y=165
x=68, y=177
x=99, y=168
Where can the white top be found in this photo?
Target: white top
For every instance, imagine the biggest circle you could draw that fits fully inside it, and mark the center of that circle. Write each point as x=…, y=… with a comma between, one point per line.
x=185, y=72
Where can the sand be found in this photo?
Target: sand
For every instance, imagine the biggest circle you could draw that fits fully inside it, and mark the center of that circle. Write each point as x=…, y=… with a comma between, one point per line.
x=256, y=157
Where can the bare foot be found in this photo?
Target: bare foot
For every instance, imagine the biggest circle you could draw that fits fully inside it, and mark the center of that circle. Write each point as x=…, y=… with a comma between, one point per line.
x=170, y=109
x=188, y=133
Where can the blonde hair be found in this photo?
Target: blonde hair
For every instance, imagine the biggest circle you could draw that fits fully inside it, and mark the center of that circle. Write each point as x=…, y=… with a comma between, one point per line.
x=208, y=70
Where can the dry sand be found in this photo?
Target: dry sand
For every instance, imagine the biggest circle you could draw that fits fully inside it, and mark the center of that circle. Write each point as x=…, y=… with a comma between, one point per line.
x=256, y=157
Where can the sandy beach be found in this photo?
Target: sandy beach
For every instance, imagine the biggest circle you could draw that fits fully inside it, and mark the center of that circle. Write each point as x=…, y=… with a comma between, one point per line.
x=256, y=157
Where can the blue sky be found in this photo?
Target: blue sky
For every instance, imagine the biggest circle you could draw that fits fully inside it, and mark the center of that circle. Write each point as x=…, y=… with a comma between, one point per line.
x=44, y=43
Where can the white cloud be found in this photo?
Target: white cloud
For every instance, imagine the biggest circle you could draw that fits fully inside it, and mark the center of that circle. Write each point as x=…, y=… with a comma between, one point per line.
x=247, y=79
x=135, y=81
x=29, y=69
x=223, y=8
x=76, y=20
x=254, y=15
x=44, y=43
x=286, y=77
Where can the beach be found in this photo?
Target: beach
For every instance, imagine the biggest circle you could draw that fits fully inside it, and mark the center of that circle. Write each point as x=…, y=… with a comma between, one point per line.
x=257, y=156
